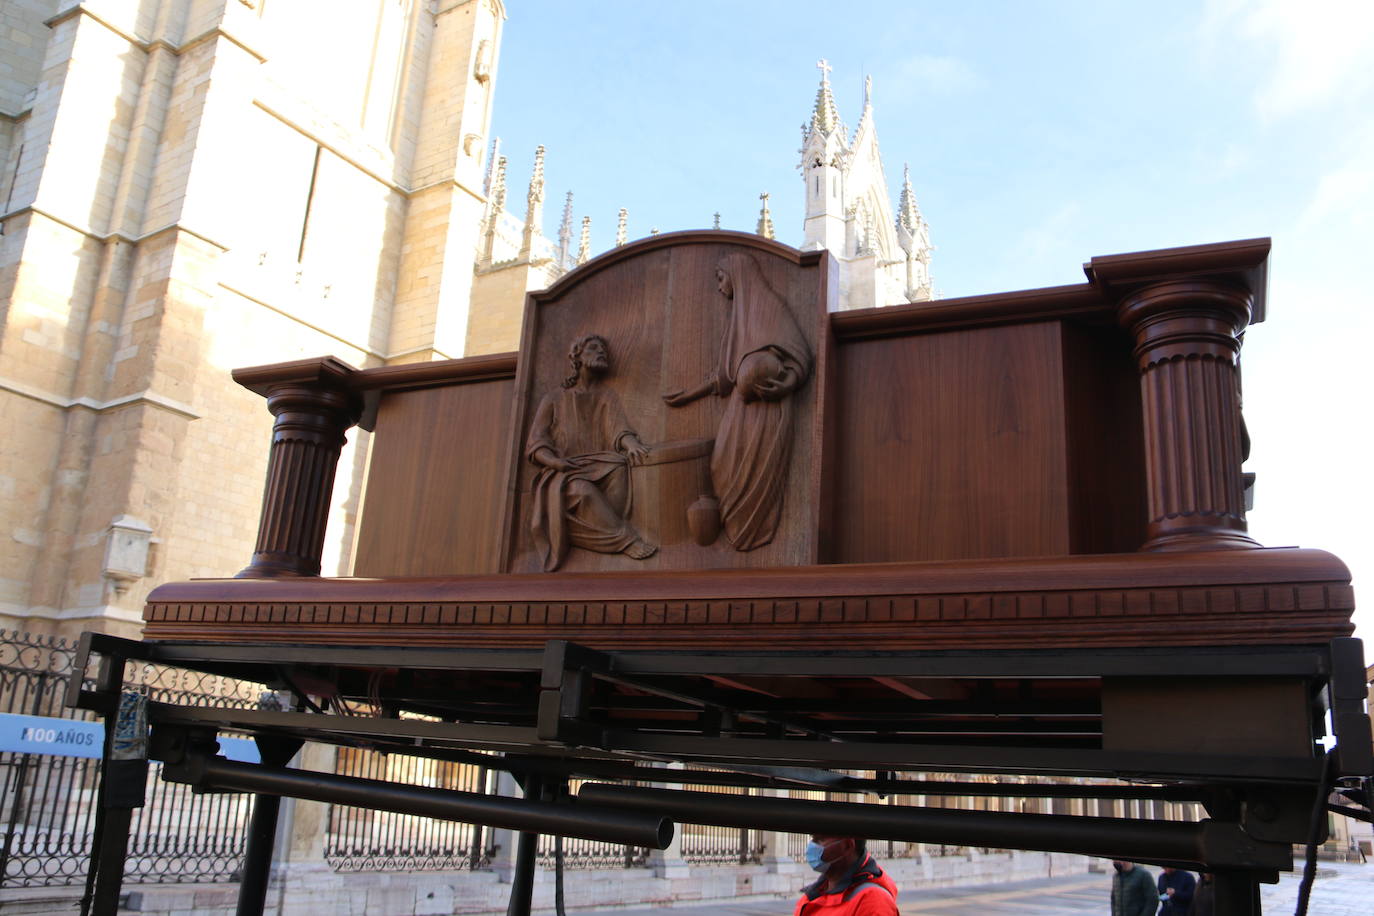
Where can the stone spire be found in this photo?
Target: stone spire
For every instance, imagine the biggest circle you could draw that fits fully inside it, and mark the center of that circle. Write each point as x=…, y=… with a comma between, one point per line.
x=621, y=225
x=565, y=233
x=765, y=226
x=908, y=214
x=496, y=205
x=492, y=156
x=584, y=243
x=825, y=117
x=866, y=118
x=715, y=224
x=913, y=234
x=534, y=205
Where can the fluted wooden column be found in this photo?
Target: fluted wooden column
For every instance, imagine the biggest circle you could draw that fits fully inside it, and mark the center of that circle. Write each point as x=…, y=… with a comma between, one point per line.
x=311, y=419
x=1186, y=346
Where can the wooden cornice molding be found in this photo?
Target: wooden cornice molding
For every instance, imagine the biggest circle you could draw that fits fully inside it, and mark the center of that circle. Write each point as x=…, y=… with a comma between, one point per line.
x=1243, y=263
x=672, y=240
x=322, y=371
x=1082, y=301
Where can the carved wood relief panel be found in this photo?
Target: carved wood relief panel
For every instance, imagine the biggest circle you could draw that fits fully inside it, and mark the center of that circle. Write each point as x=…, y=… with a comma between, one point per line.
x=667, y=414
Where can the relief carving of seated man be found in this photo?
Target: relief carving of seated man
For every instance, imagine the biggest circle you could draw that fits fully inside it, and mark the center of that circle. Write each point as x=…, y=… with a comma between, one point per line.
x=584, y=447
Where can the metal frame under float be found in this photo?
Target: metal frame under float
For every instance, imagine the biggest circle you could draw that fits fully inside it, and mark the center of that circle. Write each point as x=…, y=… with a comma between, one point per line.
x=568, y=711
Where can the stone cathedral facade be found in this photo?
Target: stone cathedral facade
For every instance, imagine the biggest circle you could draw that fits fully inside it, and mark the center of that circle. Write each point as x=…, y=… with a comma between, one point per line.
x=191, y=186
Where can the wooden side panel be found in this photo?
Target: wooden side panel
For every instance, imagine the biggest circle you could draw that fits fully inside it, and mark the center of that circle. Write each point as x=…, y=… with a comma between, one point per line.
x=952, y=445
x=437, y=481
x=1106, y=454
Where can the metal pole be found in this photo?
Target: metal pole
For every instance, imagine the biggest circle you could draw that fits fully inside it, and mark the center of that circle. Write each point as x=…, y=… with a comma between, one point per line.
x=1237, y=894
x=112, y=851
x=262, y=831
x=522, y=879
x=581, y=820
x=1209, y=844
x=257, y=858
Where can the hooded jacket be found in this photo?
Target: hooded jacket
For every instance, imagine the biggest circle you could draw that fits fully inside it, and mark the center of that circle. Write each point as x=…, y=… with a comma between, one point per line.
x=865, y=891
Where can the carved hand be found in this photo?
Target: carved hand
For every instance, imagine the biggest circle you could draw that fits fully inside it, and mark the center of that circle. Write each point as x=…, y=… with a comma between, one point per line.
x=634, y=449
x=775, y=389
x=686, y=396
x=550, y=459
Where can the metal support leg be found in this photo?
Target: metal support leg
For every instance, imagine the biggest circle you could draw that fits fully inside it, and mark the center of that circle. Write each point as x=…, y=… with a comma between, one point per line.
x=257, y=858
x=1237, y=894
x=123, y=782
x=262, y=832
x=526, y=848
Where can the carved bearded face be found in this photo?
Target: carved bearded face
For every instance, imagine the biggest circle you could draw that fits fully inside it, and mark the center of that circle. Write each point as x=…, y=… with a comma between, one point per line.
x=724, y=283
x=595, y=357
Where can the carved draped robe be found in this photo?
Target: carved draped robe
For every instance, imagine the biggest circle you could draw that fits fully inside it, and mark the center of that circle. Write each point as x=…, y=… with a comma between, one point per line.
x=588, y=506
x=754, y=443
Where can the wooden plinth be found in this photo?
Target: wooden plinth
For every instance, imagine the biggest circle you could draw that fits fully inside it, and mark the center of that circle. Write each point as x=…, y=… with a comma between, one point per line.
x=1226, y=597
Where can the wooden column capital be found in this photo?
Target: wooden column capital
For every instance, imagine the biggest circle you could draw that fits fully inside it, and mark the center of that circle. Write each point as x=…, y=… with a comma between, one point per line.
x=314, y=406
x=1185, y=318
x=1186, y=342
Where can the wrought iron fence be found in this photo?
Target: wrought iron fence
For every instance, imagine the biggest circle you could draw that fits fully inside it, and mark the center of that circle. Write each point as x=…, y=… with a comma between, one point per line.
x=589, y=854
x=48, y=803
x=704, y=845
x=361, y=839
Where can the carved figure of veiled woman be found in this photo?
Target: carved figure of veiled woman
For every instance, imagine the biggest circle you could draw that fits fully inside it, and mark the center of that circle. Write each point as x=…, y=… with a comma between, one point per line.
x=763, y=359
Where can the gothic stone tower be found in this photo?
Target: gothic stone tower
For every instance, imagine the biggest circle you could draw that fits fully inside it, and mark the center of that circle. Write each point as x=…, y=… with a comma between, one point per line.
x=884, y=259
x=192, y=186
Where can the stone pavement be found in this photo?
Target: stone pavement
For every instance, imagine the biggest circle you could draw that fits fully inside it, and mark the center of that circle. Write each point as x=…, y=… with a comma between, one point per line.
x=1341, y=889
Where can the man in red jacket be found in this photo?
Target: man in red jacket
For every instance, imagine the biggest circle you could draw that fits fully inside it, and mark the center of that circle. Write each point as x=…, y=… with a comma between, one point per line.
x=851, y=883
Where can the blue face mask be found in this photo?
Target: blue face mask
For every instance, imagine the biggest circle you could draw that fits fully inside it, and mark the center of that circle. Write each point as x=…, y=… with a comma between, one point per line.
x=814, y=852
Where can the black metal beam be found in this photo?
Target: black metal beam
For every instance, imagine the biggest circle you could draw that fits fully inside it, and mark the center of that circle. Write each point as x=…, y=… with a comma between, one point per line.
x=1240, y=661
x=973, y=759
x=581, y=820
x=1209, y=845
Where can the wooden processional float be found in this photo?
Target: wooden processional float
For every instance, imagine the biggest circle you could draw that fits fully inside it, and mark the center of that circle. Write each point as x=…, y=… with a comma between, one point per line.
x=703, y=517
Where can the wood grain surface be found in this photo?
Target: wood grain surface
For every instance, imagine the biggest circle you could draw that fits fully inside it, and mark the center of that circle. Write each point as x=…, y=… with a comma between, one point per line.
x=1262, y=596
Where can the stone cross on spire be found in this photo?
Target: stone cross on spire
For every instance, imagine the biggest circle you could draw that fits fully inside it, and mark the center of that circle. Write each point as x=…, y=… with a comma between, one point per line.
x=765, y=226
x=825, y=117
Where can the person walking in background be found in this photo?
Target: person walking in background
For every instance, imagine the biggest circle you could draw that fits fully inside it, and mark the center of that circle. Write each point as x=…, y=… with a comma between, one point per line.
x=1133, y=890
x=1205, y=896
x=1175, y=892
x=851, y=883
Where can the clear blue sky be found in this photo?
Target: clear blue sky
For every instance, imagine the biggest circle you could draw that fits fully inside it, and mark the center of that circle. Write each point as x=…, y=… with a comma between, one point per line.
x=1038, y=134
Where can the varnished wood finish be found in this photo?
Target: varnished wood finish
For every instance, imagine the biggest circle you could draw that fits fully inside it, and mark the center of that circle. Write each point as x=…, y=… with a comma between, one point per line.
x=656, y=304
x=1186, y=335
x=940, y=441
x=1106, y=470
x=487, y=367
x=1080, y=302
x=313, y=408
x=1281, y=596
x=436, y=481
x=952, y=445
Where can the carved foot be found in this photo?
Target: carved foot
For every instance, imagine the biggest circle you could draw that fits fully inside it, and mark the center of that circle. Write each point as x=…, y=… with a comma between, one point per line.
x=640, y=549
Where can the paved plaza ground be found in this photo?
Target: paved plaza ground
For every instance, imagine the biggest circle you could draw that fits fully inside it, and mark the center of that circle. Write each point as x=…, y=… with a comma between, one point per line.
x=1340, y=890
